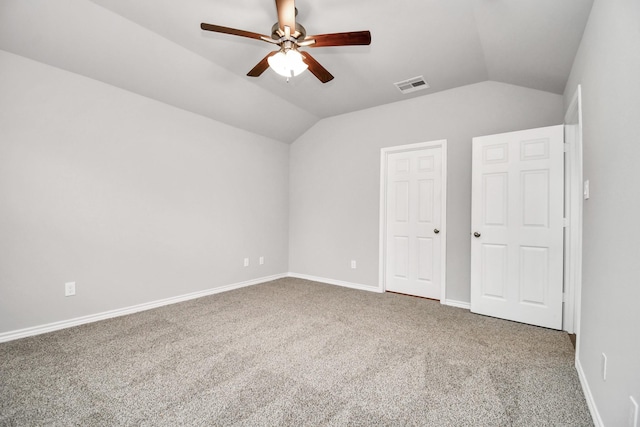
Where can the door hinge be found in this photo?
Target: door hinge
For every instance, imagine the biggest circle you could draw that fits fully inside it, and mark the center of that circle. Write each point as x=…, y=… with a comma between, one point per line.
x=564, y=297
x=565, y=222
x=567, y=147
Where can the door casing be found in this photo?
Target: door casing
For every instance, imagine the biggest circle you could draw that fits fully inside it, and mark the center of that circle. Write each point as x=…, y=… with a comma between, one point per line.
x=573, y=214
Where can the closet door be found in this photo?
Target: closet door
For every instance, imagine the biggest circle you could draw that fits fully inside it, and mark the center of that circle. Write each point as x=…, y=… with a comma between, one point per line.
x=414, y=237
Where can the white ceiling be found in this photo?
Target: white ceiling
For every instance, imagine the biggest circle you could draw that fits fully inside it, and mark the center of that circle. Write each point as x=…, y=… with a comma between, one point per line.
x=156, y=48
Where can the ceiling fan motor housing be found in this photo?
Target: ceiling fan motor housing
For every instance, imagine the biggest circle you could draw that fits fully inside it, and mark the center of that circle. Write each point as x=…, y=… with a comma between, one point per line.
x=299, y=34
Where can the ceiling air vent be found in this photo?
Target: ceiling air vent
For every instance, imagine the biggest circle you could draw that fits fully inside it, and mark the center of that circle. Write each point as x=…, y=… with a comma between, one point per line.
x=412, y=85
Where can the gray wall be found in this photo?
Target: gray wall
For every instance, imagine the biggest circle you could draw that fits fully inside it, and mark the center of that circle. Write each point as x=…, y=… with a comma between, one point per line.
x=335, y=175
x=132, y=199
x=608, y=68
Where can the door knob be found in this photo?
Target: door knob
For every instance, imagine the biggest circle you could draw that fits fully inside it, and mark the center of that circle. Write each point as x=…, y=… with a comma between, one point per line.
x=435, y=230
x=476, y=234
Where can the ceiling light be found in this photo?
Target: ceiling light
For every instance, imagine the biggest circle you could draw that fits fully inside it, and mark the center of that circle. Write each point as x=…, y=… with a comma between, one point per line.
x=287, y=63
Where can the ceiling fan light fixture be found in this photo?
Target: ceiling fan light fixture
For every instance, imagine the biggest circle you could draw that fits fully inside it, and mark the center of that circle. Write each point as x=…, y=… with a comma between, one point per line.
x=287, y=63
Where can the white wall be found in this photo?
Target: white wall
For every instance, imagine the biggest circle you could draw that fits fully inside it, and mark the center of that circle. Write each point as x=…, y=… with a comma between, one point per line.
x=608, y=68
x=133, y=200
x=335, y=175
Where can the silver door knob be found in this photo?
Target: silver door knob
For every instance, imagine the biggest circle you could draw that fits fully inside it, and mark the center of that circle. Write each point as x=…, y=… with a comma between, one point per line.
x=435, y=230
x=476, y=234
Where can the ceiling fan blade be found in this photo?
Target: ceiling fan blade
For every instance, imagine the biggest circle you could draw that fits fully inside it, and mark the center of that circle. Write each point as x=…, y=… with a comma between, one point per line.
x=341, y=39
x=286, y=14
x=261, y=66
x=316, y=69
x=232, y=31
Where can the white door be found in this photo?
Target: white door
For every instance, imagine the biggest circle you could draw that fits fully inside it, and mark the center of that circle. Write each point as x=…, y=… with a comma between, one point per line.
x=517, y=226
x=414, y=222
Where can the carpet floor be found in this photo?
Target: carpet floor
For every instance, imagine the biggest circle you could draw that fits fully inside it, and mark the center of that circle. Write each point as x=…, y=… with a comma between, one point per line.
x=294, y=352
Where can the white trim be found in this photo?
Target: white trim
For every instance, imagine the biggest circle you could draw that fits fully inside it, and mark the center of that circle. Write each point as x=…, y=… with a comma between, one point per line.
x=591, y=402
x=384, y=154
x=344, y=284
x=383, y=219
x=459, y=304
x=63, y=324
x=573, y=212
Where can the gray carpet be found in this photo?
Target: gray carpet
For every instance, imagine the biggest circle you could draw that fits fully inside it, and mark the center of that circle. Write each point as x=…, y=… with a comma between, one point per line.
x=294, y=352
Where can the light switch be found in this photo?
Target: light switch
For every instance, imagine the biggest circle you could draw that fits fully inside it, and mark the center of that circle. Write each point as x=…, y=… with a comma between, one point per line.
x=586, y=190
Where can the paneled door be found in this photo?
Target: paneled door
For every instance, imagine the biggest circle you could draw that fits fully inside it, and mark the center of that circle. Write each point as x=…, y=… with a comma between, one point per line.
x=517, y=226
x=414, y=222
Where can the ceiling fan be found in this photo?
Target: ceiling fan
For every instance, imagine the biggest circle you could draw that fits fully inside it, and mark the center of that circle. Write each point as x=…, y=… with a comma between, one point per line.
x=289, y=35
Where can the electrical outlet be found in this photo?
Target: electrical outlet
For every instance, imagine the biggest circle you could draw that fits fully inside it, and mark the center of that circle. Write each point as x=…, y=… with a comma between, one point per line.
x=246, y=262
x=261, y=260
x=353, y=263
x=69, y=289
x=633, y=412
x=604, y=367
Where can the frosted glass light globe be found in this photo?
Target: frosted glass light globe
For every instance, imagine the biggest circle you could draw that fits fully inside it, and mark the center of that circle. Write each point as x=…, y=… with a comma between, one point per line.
x=287, y=64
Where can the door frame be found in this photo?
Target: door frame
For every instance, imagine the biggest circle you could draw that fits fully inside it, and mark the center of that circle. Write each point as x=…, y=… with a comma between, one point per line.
x=384, y=158
x=573, y=215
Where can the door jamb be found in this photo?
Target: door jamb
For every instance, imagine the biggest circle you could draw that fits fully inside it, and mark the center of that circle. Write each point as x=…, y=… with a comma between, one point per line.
x=384, y=155
x=573, y=213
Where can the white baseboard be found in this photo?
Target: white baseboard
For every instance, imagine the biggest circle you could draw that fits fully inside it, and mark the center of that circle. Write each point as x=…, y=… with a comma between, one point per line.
x=459, y=304
x=336, y=282
x=591, y=403
x=50, y=327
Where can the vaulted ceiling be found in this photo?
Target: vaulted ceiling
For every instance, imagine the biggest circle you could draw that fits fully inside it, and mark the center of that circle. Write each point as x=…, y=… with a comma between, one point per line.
x=156, y=48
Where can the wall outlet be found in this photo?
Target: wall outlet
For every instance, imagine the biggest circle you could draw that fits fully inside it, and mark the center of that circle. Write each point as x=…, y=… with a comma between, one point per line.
x=633, y=413
x=246, y=262
x=353, y=263
x=69, y=289
x=604, y=367
x=261, y=260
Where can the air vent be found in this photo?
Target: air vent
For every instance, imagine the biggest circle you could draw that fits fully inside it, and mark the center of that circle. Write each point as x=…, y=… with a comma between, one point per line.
x=412, y=85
